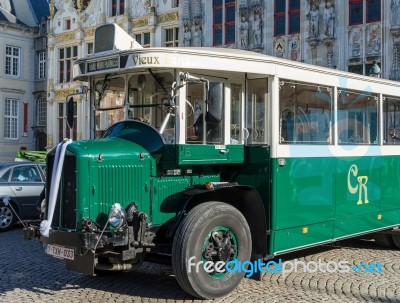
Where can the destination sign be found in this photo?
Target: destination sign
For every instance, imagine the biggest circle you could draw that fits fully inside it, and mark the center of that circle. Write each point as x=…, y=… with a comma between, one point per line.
x=137, y=60
x=103, y=64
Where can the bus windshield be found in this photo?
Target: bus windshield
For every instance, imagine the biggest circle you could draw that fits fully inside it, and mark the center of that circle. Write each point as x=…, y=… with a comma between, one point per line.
x=143, y=97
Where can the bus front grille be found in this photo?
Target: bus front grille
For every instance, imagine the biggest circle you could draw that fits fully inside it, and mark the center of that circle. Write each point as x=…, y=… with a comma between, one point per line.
x=65, y=210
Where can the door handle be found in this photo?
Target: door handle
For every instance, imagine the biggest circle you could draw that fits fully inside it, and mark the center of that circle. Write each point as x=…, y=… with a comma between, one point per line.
x=224, y=151
x=18, y=188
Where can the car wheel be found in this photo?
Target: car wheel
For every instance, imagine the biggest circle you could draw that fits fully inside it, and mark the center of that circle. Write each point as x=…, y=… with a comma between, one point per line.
x=215, y=232
x=7, y=218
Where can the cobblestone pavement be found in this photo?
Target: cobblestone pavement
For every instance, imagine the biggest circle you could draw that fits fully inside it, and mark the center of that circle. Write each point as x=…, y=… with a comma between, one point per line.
x=28, y=275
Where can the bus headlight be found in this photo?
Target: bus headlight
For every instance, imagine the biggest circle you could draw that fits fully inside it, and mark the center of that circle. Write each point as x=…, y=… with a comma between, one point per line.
x=117, y=216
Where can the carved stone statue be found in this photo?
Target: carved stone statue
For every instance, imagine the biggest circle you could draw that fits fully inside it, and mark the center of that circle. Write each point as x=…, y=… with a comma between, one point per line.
x=197, y=35
x=244, y=33
x=329, y=19
x=257, y=30
x=187, y=36
x=395, y=8
x=313, y=18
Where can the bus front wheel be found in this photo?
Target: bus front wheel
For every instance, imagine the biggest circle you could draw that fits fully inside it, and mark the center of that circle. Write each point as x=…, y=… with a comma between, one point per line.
x=209, y=249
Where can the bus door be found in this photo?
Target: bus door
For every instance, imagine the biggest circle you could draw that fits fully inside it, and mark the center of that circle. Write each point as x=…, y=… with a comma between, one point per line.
x=207, y=134
x=256, y=171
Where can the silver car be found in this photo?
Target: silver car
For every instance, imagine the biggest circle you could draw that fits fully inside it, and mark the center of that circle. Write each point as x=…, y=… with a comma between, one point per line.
x=23, y=183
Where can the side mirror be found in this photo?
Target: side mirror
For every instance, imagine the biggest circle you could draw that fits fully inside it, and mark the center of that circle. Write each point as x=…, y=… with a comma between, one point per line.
x=70, y=112
x=215, y=101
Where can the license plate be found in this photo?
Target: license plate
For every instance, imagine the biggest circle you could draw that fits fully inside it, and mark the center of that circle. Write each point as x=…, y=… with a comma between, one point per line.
x=60, y=252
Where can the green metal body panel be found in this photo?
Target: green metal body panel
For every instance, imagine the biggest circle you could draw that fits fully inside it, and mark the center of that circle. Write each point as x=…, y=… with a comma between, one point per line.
x=390, y=185
x=121, y=176
x=315, y=200
x=306, y=200
x=210, y=154
x=168, y=194
x=167, y=197
x=289, y=238
x=365, y=222
x=303, y=192
x=256, y=172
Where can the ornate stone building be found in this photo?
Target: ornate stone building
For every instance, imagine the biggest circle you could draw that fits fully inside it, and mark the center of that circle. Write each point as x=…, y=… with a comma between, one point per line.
x=348, y=35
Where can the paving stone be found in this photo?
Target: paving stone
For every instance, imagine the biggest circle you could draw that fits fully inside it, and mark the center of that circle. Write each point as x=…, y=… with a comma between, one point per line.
x=28, y=275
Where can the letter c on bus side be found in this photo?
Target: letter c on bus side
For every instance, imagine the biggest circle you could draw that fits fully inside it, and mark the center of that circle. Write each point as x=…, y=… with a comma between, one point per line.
x=353, y=170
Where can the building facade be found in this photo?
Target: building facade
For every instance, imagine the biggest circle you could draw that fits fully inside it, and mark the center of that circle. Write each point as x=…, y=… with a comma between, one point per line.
x=23, y=84
x=361, y=36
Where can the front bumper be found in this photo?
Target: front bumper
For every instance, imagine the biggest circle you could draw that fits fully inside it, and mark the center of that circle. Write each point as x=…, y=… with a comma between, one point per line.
x=84, y=259
x=89, y=246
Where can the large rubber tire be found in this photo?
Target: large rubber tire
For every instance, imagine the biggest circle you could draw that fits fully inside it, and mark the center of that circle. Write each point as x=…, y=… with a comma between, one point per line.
x=212, y=231
x=384, y=240
x=7, y=217
x=396, y=240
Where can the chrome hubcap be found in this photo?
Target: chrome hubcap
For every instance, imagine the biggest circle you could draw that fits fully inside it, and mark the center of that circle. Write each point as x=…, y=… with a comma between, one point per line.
x=5, y=217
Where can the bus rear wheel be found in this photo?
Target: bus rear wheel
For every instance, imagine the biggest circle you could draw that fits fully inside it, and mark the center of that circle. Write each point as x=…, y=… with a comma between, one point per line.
x=384, y=240
x=215, y=232
x=396, y=240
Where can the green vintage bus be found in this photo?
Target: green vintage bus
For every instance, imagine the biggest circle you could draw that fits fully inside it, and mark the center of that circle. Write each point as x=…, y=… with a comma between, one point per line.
x=221, y=155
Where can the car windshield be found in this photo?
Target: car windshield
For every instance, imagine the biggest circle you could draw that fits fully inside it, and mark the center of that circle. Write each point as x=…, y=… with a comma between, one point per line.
x=137, y=132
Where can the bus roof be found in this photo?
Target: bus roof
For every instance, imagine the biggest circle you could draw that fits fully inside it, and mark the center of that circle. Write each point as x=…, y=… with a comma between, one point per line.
x=212, y=58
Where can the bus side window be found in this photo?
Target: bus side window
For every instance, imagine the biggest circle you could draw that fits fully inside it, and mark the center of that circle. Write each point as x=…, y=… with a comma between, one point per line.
x=305, y=113
x=236, y=106
x=194, y=112
x=256, y=111
x=391, y=120
x=357, y=117
x=204, y=113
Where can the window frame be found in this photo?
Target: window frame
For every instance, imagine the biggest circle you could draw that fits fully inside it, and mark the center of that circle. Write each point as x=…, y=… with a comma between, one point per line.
x=42, y=65
x=367, y=7
x=65, y=63
x=174, y=42
x=293, y=12
x=390, y=107
x=63, y=129
x=228, y=22
x=355, y=2
x=117, y=7
x=12, y=66
x=67, y=24
x=41, y=111
x=141, y=39
x=175, y=3
x=357, y=131
x=89, y=48
x=11, y=117
x=280, y=14
x=305, y=122
x=287, y=15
